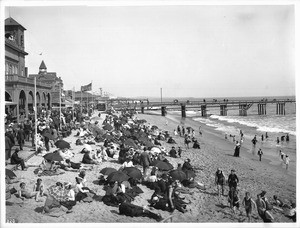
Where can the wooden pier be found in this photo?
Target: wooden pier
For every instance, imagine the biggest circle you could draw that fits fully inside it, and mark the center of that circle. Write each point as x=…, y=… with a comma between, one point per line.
x=224, y=104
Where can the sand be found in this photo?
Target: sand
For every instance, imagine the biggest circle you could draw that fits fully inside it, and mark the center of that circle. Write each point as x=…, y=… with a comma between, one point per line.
x=205, y=207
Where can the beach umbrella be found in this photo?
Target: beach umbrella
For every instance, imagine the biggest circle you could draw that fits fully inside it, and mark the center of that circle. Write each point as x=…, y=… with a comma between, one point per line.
x=107, y=127
x=107, y=170
x=62, y=144
x=53, y=157
x=164, y=166
x=189, y=128
x=10, y=173
x=130, y=143
x=189, y=174
x=154, y=127
x=177, y=175
x=117, y=176
x=133, y=172
x=58, y=193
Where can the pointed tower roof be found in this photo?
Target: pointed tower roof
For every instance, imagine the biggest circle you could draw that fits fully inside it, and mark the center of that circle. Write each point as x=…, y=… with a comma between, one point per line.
x=43, y=66
x=12, y=22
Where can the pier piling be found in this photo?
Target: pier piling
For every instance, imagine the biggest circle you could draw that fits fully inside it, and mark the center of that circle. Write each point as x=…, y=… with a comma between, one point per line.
x=223, y=110
x=280, y=109
x=163, y=111
x=203, y=111
x=183, y=111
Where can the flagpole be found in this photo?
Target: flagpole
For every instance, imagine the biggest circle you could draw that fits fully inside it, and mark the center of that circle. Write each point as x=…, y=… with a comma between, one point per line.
x=80, y=101
x=87, y=103
x=73, y=95
x=35, y=114
x=59, y=106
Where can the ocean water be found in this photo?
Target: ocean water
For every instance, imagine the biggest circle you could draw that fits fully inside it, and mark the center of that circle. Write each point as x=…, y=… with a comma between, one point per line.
x=252, y=123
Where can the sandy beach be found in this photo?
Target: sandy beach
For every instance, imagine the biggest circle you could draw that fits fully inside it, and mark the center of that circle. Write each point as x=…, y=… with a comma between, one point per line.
x=205, y=206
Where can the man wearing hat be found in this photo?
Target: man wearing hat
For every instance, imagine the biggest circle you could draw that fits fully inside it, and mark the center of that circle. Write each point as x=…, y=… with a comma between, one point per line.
x=233, y=180
x=8, y=145
x=15, y=159
x=145, y=160
x=187, y=165
x=21, y=137
x=173, y=152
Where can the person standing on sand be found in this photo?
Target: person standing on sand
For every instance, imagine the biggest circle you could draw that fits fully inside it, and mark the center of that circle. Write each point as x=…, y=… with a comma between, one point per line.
x=233, y=180
x=183, y=130
x=287, y=138
x=179, y=151
x=145, y=160
x=237, y=149
x=254, y=141
x=281, y=154
x=260, y=153
x=220, y=181
x=187, y=141
x=248, y=203
x=179, y=130
x=287, y=161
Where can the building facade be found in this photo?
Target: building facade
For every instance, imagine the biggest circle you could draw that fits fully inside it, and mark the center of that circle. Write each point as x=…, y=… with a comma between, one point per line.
x=19, y=88
x=54, y=82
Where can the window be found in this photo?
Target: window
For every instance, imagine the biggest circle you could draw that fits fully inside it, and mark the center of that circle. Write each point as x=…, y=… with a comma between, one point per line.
x=10, y=69
x=22, y=41
x=6, y=69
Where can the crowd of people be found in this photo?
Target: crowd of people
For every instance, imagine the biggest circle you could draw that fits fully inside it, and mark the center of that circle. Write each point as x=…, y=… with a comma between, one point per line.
x=133, y=143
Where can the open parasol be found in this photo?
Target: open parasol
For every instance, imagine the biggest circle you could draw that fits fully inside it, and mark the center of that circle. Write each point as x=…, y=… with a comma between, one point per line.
x=178, y=175
x=10, y=173
x=107, y=170
x=133, y=172
x=62, y=144
x=164, y=166
x=117, y=176
x=53, y=157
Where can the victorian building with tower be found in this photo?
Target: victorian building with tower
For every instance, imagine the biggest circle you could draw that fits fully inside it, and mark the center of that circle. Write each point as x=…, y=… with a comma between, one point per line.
x=19, y=86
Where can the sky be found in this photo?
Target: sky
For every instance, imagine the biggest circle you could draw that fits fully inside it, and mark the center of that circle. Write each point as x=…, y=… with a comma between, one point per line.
x=188, y=51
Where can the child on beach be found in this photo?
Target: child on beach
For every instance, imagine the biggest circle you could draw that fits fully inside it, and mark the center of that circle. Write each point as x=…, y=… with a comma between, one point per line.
x=39, y=187
x=248, y=203
x=25, y=194
x=233, y=199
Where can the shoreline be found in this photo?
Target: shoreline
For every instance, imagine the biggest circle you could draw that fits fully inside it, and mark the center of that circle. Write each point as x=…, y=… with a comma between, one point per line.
x=271, y=152
x=225, y=148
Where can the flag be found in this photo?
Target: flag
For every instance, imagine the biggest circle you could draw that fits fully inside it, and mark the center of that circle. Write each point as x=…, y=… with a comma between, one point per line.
x=87, y=87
